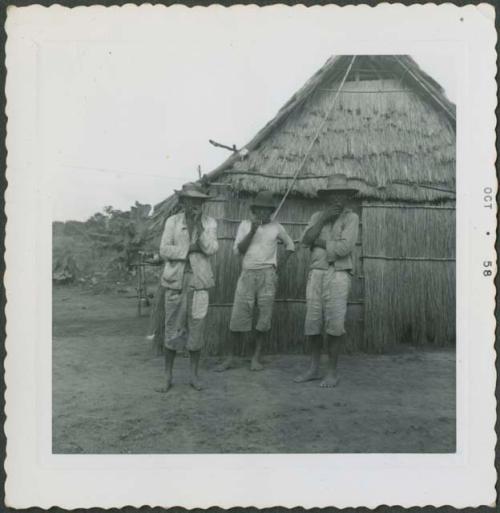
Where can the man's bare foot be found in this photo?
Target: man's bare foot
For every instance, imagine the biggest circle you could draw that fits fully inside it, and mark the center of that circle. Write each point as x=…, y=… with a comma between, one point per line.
x=164, y=389
x=255, y=365
x=224, y=366
x=329, y=381
x=196, y=384
x=310, y=375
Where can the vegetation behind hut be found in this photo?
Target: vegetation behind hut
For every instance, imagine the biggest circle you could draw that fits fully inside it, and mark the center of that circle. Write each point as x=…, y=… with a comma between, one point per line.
x=102, y=249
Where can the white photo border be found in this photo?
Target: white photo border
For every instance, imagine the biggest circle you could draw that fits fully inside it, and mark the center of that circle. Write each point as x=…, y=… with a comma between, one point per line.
x=36, y=477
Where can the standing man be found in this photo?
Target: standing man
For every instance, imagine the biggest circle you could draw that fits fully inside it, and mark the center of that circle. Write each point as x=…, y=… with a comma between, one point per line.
x=257, y=242
x=331, y=236
x=189, y=238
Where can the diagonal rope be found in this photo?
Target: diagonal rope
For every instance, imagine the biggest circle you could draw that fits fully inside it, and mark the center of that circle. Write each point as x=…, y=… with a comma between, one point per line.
x=306, y=155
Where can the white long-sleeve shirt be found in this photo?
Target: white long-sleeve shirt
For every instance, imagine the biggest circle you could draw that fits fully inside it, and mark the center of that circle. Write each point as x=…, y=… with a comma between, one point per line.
x=174, y=248
x=263, y=249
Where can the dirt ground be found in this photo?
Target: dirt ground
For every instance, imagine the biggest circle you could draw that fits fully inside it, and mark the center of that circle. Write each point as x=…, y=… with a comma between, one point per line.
x=104, y=375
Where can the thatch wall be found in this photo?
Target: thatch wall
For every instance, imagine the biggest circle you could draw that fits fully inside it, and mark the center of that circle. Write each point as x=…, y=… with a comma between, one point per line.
x=409, y=274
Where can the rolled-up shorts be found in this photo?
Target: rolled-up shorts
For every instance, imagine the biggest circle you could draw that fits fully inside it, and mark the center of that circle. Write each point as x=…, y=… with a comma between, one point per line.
x=326, y=297
x=254, y=286
x=185, y=315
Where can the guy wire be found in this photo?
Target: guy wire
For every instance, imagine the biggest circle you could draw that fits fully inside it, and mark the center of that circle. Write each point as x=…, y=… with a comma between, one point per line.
x=304, y=159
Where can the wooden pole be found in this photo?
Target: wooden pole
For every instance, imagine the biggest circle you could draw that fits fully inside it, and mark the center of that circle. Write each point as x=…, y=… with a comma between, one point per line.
x=225, y=146
x=145, y=285
x=140, y=292
x=418, y=259
x=138, y=268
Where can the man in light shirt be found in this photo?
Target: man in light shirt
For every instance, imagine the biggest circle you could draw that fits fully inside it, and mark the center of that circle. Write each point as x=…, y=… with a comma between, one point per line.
x=189, y=238
x=257, y=242
x=331, y=236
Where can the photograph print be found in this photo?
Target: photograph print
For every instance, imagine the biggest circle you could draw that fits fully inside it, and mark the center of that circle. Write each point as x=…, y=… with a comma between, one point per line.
x=278, y=278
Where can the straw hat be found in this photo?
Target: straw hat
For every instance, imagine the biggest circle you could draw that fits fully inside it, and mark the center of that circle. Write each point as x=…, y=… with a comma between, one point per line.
x=192, y=190
x=264, y=199
x=337, y=183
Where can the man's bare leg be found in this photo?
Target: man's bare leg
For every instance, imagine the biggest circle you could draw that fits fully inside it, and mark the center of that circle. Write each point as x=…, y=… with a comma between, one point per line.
x=256, y=364
x=313, y=372
x=228, y=362
x=169, y=366
x=334, y=343
x=194, y=361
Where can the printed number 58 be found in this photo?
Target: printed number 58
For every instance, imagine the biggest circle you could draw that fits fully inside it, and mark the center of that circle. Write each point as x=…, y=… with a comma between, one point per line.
x=487, y=272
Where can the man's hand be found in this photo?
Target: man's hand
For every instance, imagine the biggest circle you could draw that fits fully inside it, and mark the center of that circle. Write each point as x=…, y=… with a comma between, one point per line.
x=329, y=214
x=310, y=237
x=194, y=247
x=198, y=229
x=199, y=226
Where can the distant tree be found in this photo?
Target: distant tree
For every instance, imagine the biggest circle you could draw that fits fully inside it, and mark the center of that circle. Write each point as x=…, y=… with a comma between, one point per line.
x=108, y=242
x=124, y=232
x=97, y=220
x=73, y=227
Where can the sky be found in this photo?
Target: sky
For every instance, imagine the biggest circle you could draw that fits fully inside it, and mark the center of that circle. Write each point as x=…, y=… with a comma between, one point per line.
x=129, y=120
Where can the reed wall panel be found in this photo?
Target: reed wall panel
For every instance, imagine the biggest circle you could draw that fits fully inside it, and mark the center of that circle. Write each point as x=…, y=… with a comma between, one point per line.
x=410, y=294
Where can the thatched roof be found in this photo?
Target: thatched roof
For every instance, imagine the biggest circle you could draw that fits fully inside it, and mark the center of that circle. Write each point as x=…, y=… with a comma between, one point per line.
x=391, y=130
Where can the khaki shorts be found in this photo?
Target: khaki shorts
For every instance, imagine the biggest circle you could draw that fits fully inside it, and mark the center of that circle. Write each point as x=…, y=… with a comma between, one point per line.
x=326, y=296
x=185, y=315
x=254, y=285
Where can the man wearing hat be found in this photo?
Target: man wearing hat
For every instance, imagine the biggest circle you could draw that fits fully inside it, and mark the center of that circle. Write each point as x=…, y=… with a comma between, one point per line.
x=257, y=242
x=331, y=236
x=189, y=238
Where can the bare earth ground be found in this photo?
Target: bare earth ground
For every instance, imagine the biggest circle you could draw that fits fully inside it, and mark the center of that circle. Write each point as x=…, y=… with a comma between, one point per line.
x=104, y=375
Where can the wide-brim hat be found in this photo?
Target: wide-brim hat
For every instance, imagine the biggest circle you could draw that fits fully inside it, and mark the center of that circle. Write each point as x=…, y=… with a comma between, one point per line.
x=264, y=199
x=192, y=190
x=338, y=183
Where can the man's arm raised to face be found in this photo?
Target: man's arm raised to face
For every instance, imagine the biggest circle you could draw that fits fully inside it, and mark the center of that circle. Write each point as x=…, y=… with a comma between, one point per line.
x=206, y=242
x=244, y=237
x=313, y=229
x=316, y=223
